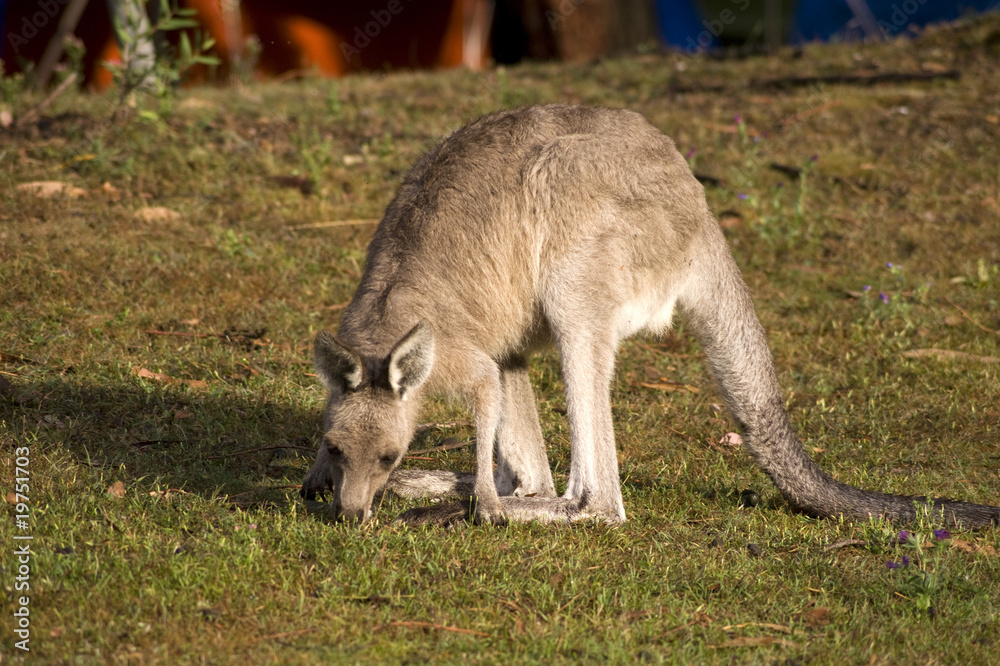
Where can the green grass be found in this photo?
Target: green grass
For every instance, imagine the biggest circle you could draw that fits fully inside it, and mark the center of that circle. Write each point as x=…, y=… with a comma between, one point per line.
x=210, y=556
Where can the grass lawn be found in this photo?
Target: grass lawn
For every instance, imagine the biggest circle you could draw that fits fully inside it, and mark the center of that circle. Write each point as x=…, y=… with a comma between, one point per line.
x=156, y=319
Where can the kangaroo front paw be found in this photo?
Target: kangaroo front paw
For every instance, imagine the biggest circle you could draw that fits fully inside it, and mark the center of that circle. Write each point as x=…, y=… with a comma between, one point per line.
x=488, y=512
x=316, y=484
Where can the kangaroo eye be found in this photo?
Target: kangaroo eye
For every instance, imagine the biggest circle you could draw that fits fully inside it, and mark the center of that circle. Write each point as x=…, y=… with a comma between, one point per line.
x=335, y=452
x=387, y=461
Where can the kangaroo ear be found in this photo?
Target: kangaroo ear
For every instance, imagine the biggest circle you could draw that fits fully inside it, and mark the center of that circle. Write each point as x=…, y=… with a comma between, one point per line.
x=411, y=360
x=337, y=366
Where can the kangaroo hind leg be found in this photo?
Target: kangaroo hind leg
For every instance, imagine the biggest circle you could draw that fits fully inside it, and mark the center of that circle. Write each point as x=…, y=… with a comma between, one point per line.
x=522, y=466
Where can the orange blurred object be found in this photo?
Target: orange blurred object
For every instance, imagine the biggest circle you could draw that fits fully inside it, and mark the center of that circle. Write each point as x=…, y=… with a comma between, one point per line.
x=294, y=35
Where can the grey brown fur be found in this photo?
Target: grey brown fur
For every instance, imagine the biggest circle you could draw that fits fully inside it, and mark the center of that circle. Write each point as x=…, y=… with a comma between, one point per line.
x=551, y=224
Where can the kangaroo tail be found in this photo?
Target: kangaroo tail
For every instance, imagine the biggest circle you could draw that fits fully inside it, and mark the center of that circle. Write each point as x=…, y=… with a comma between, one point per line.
x=717, y=303
x=430, y=483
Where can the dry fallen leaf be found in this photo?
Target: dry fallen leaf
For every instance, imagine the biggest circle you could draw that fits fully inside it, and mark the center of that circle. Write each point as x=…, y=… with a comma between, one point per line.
x=110, y=191
x=167, y=379
x=817, y=617
x=116, y=489
x=670, y=386
x=51, y=421
x=56, y=632
x=11, y=498
x=49, y=189
x=195, y=103
x=754, y=641
x=968, y=547
x=155, y=214
x=731, y=439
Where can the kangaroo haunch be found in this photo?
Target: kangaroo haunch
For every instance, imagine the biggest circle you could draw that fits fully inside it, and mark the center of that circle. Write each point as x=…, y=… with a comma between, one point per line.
x=566, y=225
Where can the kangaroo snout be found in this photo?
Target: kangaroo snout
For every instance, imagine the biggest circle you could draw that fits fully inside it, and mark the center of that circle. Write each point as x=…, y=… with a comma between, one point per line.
x=354, y=514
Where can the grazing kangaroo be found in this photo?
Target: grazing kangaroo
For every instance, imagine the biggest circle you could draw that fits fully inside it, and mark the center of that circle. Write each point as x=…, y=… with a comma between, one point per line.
x=549, y=224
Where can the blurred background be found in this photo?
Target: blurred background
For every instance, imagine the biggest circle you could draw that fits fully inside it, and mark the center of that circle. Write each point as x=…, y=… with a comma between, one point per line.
x=268, y=38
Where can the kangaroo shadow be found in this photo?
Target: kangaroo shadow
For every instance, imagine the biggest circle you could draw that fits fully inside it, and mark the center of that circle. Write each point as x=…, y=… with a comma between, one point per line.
x=204, y=442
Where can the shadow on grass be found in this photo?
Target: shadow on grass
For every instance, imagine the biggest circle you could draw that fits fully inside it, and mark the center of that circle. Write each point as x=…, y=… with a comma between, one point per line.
x=213, y=443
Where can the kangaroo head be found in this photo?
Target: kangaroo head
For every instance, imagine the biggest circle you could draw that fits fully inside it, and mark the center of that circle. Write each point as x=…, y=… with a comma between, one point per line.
x=371, y=413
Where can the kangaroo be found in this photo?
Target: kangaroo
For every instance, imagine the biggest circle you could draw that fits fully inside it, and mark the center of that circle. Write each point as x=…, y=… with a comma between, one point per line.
x=563, y=225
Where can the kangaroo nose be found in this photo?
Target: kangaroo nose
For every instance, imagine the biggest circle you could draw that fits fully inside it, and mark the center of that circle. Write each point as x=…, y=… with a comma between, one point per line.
x=353, y=515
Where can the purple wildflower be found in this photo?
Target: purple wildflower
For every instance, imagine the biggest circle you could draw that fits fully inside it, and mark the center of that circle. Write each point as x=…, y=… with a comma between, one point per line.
x=889, y=264
x=941, y=534
x=814, y=158
x=906, y=561
x=689, y=154
x=738, y=119
x=904, y=536
x=884, y=297
x=891, y=565
x=741, y=197
x=867, y=287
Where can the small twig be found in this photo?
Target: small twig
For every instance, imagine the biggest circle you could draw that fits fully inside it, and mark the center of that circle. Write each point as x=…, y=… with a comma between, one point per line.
x=285, y=634
x=338, y=306
x=151, y=442
x=430, y=625
x=292, y=447
x=974, y=322
x=857, y=79
x=835, y=79
x=802, y=115
x=732, y=129
x=941, y=354
x=14, y=358
x=673, y=631
x=260, y=490
x=333, y=223
x=442, y=447
x=843, y=544
x=784, y=628
x=183, y=334
x=440, y=425
x=35, y=113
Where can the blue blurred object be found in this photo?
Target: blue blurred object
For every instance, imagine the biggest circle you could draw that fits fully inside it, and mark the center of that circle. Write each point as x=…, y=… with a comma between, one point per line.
x=694, y=26
x=681, y=26
x=3, y=19
x=850, y=19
